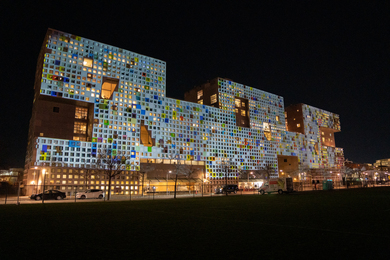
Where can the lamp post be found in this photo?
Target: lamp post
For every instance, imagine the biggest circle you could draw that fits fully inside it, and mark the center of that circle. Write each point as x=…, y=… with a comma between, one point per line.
x=167, y=180
x=43, y=190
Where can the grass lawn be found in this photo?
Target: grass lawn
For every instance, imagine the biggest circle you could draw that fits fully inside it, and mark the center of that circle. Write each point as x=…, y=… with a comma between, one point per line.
x=337, y=224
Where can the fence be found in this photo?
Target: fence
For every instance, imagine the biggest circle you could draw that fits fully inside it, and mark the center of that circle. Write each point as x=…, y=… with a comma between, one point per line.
x=10, y=194
x=310, y=186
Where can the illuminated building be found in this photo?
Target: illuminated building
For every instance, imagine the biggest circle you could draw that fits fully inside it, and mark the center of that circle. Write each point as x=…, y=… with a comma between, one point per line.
x=91, y=96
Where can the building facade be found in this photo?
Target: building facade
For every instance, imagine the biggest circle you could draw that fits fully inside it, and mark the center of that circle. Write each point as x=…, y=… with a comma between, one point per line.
x=91, y=97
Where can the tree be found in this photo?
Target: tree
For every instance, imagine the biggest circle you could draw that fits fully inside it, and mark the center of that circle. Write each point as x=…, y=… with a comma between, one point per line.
x=144, y=169
x=110, y=166
x=190, y=171
x=225, y=168
x=87, y=174
x=266, y=171
x=303, y=170
x=179, y=168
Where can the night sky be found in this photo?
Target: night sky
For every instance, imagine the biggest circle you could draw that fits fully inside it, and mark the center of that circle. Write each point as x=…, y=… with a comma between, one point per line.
x=330, y=55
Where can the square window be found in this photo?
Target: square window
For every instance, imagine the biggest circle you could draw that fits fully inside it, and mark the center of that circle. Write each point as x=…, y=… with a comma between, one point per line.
x=88, y=62
x=56, y=109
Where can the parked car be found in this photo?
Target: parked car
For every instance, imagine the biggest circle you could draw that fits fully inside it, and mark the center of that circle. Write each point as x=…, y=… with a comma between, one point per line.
x=49, y=195
x=227, y=188
x=90, y=194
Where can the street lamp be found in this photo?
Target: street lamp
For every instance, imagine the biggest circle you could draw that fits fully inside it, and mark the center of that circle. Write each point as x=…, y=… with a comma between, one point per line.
x=43, y=190
x=167, y=180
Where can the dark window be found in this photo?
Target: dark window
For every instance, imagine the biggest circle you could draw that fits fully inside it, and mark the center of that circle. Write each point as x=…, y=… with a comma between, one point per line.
x=285, y=160
x=56, y=109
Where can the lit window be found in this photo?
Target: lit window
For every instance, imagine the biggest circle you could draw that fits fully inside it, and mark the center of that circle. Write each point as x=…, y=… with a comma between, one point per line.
x=200, y=94
x=238, y=103
x=81, y=113
x=87, y=62
x=298, y=125
x=80, y=128
x=108, y=87
x=277, y=118
x=213, y=99
x=200, y=101
x=243, y=112
x=243, y=104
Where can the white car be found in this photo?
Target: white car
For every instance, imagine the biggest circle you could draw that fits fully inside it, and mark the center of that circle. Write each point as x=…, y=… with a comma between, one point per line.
x=90, y=194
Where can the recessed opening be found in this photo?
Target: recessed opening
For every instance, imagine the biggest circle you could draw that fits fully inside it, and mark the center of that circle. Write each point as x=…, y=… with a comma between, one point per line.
x=108, y=87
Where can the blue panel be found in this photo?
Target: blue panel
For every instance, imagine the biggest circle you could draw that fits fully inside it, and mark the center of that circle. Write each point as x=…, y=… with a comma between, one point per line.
x=74, y=144
x=44, y=148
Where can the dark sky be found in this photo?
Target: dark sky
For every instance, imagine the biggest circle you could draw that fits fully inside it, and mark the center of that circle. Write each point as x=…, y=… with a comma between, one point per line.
x=331, y=55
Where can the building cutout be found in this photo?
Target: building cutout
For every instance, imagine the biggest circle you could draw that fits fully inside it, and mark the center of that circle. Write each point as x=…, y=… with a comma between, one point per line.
x=242, y=112
x=109, y=86
x=146, y=136
x=267, y=131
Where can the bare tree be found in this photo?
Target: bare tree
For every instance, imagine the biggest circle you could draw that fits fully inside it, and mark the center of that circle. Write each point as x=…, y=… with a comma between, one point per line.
x=88, y=171
x=190, y=171
x=266, y=171
x=179, y=168
x=226, y=165
x=144, y=169
x=303, y=170
x=110, y=166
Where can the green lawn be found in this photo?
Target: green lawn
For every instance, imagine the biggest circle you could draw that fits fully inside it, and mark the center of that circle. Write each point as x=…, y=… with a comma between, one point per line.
x=322, y=225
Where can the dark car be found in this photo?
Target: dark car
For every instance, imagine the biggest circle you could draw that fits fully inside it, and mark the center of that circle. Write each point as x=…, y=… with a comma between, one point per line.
x=49, y=195
x=227, y=188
